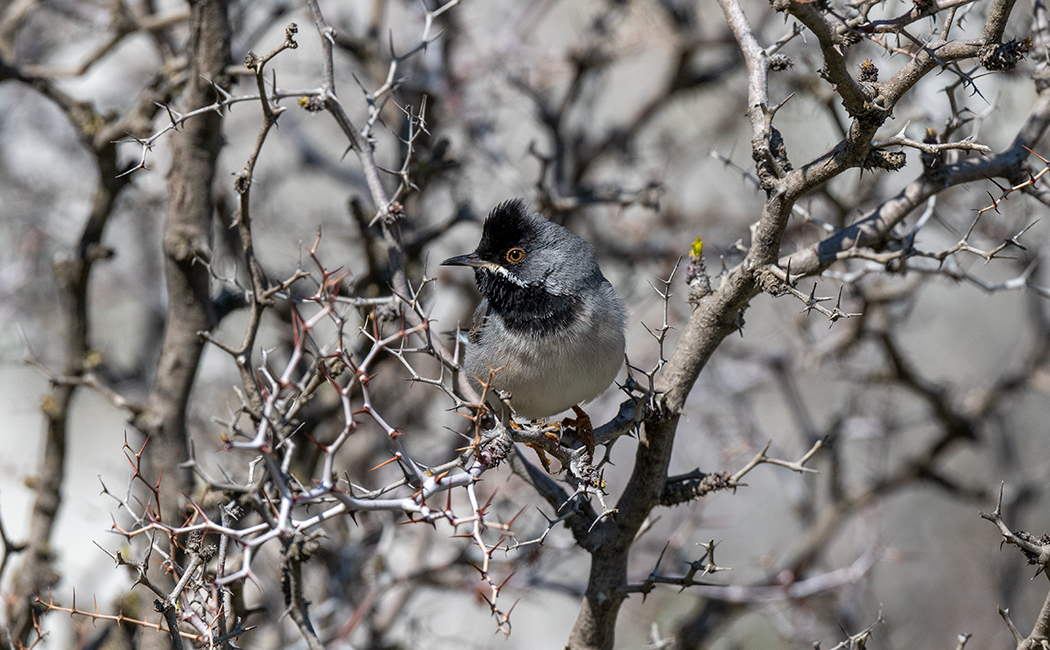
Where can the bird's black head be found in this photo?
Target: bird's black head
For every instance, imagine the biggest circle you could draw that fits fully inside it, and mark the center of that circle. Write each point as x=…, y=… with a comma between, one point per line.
x=512, y=236
x=527, y=267
x=526, y=249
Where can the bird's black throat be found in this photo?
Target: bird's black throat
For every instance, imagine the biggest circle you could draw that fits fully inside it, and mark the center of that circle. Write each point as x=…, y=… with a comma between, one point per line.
x=530, y=308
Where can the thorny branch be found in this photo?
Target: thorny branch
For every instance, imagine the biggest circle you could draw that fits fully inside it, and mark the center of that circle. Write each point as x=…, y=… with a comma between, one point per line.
x=342, y=347
x=1036, y=551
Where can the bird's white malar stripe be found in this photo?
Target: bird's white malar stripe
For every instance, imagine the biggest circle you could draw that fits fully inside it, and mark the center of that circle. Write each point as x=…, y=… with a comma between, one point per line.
x=503, y=271
x=496, y=268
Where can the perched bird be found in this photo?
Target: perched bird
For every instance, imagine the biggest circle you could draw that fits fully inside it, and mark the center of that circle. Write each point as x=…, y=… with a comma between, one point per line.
x=550, y=328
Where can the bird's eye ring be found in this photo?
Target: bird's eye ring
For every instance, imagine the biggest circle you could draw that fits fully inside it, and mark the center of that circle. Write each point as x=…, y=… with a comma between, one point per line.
x=515, y=255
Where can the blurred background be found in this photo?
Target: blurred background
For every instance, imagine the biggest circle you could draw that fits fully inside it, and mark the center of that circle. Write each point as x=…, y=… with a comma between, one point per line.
x=625, y=121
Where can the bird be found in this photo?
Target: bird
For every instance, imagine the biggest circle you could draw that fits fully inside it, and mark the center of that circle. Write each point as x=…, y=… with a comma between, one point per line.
x=549, y=330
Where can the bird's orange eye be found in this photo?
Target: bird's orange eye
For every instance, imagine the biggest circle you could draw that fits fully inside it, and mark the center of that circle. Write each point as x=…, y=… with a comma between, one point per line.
x=515, y=255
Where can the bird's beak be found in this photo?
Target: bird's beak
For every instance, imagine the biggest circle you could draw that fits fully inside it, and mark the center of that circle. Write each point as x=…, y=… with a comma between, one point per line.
x=465, y=260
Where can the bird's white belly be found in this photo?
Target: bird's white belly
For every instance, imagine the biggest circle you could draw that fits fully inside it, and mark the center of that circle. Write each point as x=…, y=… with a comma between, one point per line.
x=545, y=375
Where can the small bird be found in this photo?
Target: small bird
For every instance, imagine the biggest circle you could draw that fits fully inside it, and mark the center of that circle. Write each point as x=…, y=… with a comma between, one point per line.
x=550, y=328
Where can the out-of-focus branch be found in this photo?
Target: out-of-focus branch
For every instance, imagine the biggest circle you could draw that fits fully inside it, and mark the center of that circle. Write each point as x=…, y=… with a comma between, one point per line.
x=73, y=275
x=187, y=249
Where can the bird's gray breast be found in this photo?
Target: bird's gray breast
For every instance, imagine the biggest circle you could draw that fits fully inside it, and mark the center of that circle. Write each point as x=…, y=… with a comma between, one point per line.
x=555, y=360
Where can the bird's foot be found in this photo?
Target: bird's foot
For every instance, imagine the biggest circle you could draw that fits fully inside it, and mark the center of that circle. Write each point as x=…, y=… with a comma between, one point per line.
x=541, y=455
x=551, y=431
